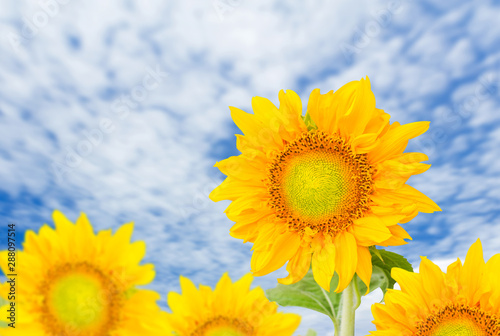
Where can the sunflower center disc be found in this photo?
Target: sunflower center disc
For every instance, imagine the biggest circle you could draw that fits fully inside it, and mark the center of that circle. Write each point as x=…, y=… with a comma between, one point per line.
x=224, y=326
x=79, y=300
x=317, y=182
x=458, y=328
x=460, y=320
x=224, y=332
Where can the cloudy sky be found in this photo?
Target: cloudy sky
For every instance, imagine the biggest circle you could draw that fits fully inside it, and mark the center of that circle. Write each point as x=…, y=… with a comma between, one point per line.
x=120, y=109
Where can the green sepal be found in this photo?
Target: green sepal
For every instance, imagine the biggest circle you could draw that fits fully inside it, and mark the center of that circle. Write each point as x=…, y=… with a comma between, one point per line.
x=310, y=124
x=311, y=332
x=374, y=251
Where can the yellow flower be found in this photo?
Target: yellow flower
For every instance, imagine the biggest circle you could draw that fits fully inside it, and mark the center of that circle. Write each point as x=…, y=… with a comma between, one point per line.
x=321, y=190
x=71, y=282
x=464, y=301
x=232, y=309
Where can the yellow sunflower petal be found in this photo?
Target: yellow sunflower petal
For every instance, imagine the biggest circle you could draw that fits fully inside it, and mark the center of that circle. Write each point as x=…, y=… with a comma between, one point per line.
x=410, y=283
x=297, y=266
x=323, y=264
x=432, y=278
x=232, y=309
x=267, y=113
x=398, y=237
x=291, y=109
x=243, y=284
x=319, y=108
x=233, y=189
x=381, y=314
x=370, y=231
x=492, y=274
x=86, y=237
x=247, y=123
x=241, y=166
x=396, y=139
x=279, y=324
x=364, y=268
x=283, y=249
x=364, y=143
x=346, y=259
x=472, y=272
x=356, y=107
x=379, y=123
x=407, y=194
x=244, y=204
x=393, y=174
x=223, y=293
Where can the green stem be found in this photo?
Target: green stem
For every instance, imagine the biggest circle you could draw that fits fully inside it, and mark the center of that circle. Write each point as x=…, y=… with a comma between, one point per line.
x=348, y=309
x=336, y=326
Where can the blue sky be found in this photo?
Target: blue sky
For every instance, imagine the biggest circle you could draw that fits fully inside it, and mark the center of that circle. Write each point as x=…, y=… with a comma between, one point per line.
x=141, y=93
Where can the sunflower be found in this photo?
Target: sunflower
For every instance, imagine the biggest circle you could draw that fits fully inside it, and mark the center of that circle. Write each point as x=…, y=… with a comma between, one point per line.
x=71, y=282
x=232, y=309
x=464, y=301
x=321, y=189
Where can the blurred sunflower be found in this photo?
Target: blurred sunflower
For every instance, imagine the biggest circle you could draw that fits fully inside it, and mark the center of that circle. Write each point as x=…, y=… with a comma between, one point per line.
x=232, y=309
x=321, y=189
x=72, y=282
x=464, y=301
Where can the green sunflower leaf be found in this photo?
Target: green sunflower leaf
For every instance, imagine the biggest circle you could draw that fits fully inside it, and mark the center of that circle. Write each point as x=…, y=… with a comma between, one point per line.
x=308, y=294
x=386, y=260
x=311, y=332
